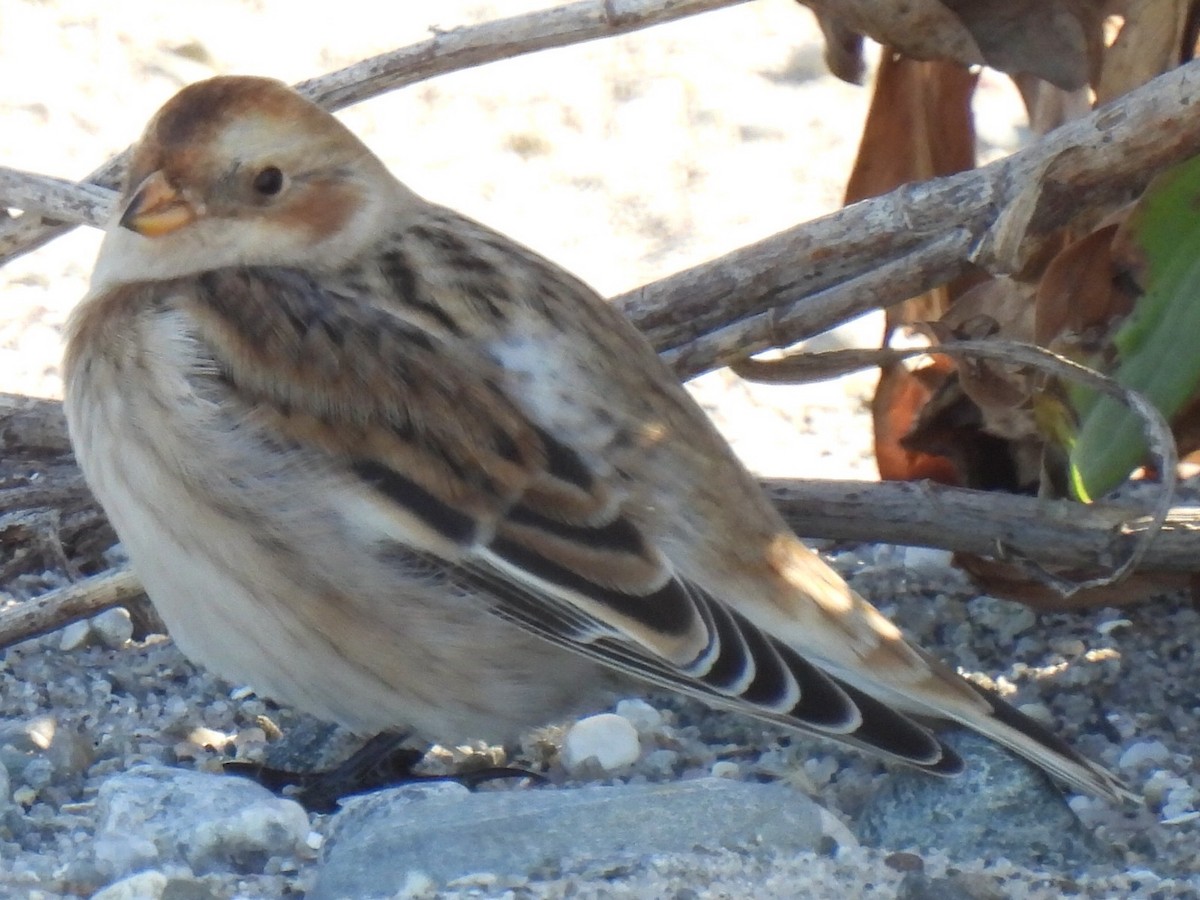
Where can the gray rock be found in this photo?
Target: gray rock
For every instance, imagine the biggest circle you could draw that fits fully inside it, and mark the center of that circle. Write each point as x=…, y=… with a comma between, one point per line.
x=919, y=886
x=1000, y=807
x=154, y=885
x=113, y=628
x=40, y=752
x=157, y=817
x=149, y=885
x=441, y=830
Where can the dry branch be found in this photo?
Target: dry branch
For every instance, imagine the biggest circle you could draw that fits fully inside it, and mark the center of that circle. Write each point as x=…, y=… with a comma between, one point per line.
x=446, y=51
x=922, y=514
x=79, y=204
x=1058, y=533
x=807, y=279
x=60, y=608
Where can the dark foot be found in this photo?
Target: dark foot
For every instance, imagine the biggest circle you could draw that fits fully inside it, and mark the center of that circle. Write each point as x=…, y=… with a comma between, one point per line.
x=382, y=762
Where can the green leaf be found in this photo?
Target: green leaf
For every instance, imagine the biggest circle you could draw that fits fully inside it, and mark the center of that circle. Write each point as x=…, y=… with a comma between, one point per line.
x=1158, y=346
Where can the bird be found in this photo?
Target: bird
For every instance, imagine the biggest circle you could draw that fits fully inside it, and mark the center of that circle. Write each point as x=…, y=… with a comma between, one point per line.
x=389, y=466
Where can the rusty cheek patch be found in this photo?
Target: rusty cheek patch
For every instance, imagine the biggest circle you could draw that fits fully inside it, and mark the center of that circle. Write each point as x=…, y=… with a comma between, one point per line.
x=321, y=208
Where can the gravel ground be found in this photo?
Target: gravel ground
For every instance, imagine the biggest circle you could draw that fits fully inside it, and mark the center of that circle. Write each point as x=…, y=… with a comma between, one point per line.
x=623, y=160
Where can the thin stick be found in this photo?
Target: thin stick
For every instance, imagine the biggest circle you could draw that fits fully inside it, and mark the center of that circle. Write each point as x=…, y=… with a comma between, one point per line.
x=447, y=51
x=809, y=278
x=799, y=368
x=1058, y=533
x=79, y=204
x=58, y=609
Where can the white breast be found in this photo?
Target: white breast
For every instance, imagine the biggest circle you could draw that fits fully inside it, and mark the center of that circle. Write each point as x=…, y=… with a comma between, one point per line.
x=247, y=554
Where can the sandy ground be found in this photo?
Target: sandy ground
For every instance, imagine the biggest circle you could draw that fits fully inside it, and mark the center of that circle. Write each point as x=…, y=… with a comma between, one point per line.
x=624, y=160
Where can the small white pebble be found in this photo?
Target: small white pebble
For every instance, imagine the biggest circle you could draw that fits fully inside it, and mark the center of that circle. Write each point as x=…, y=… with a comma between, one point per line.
x=661, y=762
x=607, y=738
x=1112, y=625
x=251, y=738
x=202, y=736
x=113, y=627
x=1143, y=752
x=314, y=841
x=41, y=731
x=725, y=768
x=641, y=715
x=926, y=558
x=142, y=886
x=484, y=880
x=820, y=770
x=417, y=886
x=75, y=636
x=1068, y=647
x=1182, y=818
x=1039, y=712
x=176, y=707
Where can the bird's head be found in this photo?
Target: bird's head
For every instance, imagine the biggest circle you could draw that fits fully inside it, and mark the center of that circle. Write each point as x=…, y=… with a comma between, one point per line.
x=244, y=171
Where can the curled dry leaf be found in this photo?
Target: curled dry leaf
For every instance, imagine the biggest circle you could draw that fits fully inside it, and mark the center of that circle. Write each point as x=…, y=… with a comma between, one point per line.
x=919, y=126
x=1027, y=359
x=843, y=50
x=986, y=406
x=1042, y=591
x=1001, y=308
x=1152, y=40
x=899, y=398
x=1048, y=106
x=1057, y=40
x=1080, y=298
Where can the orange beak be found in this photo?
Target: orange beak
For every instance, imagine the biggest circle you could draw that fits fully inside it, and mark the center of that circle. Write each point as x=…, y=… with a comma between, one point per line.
x=157, y=208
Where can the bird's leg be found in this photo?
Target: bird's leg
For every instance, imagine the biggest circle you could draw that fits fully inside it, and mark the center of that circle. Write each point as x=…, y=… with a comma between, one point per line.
x=382, y=762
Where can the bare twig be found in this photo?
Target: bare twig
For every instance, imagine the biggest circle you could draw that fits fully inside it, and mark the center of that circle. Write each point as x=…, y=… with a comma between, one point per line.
x=464, y=48
x=799, y=368
x=1051, y=532
x=60, y=608
x=921, y=514
x=446, y=51
x=79, y=204
x=803, y=281
x=877, y=252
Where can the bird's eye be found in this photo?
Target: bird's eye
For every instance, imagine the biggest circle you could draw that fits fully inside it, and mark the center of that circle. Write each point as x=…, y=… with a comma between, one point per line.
x=269, y=181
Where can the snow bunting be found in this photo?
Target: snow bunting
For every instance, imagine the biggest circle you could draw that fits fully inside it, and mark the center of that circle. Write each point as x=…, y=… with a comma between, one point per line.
x=386, y=465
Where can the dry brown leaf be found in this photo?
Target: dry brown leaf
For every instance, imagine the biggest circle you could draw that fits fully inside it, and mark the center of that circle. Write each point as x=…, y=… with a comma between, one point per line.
x=1001, y=308
x=1150, y=42
x=919, y=126
x=1048, y=106
x=843, y=50
x=983, y=418
x=1056, y=40
x=922, y=29
x=1012, y=581
x=899, y=398
x=1080, y=299
x=950, y=425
